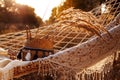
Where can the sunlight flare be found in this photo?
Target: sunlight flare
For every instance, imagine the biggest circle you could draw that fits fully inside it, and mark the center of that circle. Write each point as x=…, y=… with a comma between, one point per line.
x=43, y=8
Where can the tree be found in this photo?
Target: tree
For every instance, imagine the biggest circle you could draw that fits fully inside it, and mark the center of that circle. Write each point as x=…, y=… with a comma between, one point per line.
x=13, y=13
x=27, y=15
x=85, y=5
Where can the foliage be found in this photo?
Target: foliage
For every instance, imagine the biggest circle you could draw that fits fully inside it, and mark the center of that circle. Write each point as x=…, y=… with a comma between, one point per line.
x=13, y=13
x=85, y=5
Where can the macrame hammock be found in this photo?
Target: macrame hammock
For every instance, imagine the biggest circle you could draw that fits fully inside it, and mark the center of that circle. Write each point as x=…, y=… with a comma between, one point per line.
x=89, y=60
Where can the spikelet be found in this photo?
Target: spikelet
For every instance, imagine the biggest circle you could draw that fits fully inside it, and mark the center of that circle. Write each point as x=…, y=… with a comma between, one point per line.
x=80, y=19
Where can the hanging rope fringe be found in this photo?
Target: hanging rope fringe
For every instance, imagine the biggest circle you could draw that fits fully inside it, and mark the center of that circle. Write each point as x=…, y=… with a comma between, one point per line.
x=100, y=71
x=63, y=67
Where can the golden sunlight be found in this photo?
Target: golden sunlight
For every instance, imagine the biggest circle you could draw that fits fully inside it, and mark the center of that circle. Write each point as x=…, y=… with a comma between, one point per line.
x=43, y=8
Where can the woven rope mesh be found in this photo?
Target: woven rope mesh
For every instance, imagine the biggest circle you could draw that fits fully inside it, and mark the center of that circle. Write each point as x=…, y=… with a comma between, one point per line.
x=65, y=35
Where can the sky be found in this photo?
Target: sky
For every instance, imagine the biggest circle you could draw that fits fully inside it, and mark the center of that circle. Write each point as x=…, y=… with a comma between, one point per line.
x=43, y=8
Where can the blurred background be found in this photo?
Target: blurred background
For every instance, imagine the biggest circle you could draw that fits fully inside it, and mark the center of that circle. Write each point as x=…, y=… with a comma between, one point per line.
x=15, y=14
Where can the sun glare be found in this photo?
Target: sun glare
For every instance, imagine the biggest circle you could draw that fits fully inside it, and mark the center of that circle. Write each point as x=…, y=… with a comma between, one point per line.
x=43, y=8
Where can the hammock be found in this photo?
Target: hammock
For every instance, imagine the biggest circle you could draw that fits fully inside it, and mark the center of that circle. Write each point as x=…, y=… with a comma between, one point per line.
x=79, y=56
x=73, y=63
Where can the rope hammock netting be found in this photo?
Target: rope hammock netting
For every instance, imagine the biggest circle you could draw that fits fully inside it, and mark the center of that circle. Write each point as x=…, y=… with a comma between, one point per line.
x=79, y=54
